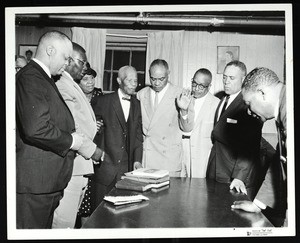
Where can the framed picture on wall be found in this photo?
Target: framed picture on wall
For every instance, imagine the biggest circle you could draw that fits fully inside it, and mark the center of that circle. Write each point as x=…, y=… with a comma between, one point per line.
x=27, y=51
x=226, y=54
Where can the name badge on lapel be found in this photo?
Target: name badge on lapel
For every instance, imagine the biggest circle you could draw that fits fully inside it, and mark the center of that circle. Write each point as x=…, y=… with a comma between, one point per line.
x=233, y=121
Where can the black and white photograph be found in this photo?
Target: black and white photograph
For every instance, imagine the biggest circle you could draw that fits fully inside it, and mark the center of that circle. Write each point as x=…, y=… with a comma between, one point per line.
x=150, y=121
x=226, y=54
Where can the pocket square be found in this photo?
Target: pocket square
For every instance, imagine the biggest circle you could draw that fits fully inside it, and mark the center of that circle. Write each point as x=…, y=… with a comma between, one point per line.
x=233, y=121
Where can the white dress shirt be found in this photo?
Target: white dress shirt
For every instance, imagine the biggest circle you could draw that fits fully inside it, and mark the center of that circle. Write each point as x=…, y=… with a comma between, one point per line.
x=43, y=66
x=197, y=107
x=231, y=98
x=160, y=94
x=124, y=103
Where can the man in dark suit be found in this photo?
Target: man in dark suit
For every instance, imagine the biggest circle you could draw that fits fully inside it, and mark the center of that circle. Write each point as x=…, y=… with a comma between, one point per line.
x=45, y=134
x=236, y=136
x=121, y=137
x=265, y=95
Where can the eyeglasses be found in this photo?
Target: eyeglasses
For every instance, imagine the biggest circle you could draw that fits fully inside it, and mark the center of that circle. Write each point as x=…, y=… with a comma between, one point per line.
x=200, y=86
x=81, y=61
x=159, y=79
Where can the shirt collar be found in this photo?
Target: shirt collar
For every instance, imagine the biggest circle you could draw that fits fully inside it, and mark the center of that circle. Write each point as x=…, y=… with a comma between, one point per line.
x=43, y=66
x=233, y=96
x=276, y=112
x=122, y=95
x=163, y=91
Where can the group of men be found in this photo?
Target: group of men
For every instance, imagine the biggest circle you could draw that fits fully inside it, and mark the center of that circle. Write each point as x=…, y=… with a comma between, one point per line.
x=189, y=133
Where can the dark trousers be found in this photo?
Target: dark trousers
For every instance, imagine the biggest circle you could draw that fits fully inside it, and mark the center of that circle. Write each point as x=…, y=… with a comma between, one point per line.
x=35, y=211
x=99, y=190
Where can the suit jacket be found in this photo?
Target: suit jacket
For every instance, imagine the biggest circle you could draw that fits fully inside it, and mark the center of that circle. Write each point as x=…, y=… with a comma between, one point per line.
x=112, y=138
x=44, y=125
x=85, y=122
x=162, y=135
x=200, y=138
x=236, y=142
x=273, y=190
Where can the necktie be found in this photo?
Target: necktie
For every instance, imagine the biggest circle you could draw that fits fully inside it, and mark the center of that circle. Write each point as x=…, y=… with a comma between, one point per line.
x=156, y=101
x=225, y=104
x=123, y=98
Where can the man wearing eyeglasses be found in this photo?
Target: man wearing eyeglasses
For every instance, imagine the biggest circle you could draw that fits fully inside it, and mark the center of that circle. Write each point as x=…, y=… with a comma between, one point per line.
x=85, y=123
x=162, y=135
x=234, y=157
x=197, y=124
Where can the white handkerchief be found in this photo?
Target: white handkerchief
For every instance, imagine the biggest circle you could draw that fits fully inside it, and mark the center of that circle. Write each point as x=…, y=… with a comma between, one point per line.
x=233, y=121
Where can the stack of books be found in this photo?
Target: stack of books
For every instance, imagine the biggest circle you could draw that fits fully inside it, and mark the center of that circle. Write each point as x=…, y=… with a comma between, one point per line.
x=144, y=179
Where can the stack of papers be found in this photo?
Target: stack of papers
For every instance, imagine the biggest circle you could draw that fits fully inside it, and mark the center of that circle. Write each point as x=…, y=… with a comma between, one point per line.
x=121, y=200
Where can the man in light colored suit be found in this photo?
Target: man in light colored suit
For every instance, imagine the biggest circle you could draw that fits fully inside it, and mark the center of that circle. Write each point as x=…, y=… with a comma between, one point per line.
x=197, y=124
x=266, y=96
x=85, y=123
x=162, y=135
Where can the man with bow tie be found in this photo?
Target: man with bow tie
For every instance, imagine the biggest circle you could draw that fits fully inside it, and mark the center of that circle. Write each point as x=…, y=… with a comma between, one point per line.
x=266, y=96
x=121, y=136
x=234, y=157
x=197, y=124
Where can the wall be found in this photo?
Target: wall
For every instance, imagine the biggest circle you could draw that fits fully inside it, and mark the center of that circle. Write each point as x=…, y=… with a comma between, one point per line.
x=30, y=34
x=255, y=50
x=200, y=50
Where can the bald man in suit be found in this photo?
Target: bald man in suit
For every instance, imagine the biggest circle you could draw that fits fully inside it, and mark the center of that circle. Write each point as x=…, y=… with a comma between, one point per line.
x=266, y=96
x=45, y=134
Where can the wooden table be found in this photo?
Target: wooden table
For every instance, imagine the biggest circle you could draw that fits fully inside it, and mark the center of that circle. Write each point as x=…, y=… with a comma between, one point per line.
x=186, y=203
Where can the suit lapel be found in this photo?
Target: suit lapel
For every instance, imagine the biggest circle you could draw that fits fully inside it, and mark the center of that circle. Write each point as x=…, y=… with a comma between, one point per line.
x=204, y=109
x=51, y=81
x=232, y=107
x=162, y=106
x=118, y=109
x=217, y=111
x=148, y=104
x=79, y=90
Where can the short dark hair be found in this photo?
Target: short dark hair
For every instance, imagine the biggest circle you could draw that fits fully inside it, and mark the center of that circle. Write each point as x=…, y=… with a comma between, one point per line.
x=159, y=62
x=78, y=48
x=28, y=51
x=238, y=64
x=90, y=71
x=203, y=71
x=259, y=76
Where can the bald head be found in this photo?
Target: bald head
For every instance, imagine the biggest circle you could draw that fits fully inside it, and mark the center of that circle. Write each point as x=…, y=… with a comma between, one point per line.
x=124, y=71
x=54, y=49
x=20, y=62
